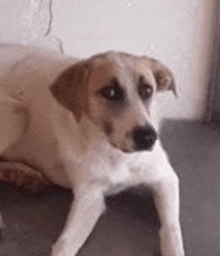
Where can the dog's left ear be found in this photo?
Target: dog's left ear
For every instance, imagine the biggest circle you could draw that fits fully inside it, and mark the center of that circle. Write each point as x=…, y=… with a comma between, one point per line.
x=163, y=76
x=70, y=88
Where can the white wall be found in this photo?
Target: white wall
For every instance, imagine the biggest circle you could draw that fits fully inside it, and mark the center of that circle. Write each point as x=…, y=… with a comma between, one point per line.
x=10, y=27
x=175, y=31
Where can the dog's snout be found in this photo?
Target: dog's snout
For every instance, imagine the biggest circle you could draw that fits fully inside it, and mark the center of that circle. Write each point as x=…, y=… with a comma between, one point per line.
x=144, y=137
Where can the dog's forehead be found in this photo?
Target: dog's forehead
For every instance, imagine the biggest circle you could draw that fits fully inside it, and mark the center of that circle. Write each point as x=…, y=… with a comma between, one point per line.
x=121, y=66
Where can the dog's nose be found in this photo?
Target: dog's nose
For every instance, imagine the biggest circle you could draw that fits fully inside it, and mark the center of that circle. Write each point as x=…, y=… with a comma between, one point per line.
x=144, y=137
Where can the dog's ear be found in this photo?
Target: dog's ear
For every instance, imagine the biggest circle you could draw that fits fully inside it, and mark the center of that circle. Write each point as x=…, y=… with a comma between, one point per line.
x=163, y=76
x=70, y=88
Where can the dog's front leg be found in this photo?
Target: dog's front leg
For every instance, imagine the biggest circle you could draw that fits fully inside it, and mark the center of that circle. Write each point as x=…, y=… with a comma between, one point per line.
x=84, y=213
x=166, y=192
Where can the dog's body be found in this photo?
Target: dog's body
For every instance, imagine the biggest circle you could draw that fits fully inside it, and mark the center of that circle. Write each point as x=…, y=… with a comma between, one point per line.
x=89, y=126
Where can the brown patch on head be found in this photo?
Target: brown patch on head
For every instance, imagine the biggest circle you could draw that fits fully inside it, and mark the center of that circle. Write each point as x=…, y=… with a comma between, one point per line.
x=70, y=88
x=104, y=69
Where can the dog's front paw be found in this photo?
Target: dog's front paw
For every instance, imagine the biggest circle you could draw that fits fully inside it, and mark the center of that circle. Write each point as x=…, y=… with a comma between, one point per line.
x=62, y=248
x=171, y=242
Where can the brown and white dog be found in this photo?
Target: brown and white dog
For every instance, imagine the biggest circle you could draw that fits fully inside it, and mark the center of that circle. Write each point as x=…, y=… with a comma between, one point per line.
x=90, y=126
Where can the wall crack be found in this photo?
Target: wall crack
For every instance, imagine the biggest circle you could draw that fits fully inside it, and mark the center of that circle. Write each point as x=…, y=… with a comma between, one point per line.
x=38, y=24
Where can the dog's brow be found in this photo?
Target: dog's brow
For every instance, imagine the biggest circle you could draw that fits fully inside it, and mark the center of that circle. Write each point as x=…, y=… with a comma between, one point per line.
x=142, y=79
x=115, y=82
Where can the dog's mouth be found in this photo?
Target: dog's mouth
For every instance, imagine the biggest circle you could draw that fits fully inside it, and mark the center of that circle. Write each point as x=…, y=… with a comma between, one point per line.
x=133, y=150
x=124, y=150
x=127, y=150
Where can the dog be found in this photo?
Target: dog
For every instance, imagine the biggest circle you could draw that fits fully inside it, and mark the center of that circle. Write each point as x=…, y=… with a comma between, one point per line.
x=89, y=125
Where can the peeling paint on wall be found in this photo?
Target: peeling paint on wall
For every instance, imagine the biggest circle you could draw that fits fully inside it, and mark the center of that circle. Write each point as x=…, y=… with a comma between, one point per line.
x=38, y=23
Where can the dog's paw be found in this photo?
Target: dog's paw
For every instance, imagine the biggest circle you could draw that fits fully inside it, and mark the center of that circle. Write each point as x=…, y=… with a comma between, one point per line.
x=62, y=248
x=171, y=242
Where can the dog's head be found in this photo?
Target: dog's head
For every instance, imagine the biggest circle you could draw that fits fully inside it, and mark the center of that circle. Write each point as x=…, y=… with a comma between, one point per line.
x=116, y=91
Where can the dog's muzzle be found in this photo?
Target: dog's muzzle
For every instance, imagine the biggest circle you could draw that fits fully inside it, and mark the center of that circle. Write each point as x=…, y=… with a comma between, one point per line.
x=144, y=137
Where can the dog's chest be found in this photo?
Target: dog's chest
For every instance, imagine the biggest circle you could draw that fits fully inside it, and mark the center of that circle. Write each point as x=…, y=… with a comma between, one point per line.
x=110, y=169
x=116, y=173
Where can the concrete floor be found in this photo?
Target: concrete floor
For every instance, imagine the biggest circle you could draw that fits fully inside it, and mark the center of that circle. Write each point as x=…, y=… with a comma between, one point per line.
x=130, y=225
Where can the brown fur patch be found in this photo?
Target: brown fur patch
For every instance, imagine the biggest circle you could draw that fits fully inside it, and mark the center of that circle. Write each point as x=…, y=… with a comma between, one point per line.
x=108, y=128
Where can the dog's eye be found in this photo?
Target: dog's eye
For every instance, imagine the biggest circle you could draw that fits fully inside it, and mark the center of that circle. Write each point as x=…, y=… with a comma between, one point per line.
x=112, y=93
x=145, y=91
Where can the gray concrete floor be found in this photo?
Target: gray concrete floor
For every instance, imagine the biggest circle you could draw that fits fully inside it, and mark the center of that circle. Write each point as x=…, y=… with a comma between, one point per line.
x=130, y=225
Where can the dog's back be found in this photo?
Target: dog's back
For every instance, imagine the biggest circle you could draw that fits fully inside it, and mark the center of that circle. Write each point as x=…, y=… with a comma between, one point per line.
x=26, y=106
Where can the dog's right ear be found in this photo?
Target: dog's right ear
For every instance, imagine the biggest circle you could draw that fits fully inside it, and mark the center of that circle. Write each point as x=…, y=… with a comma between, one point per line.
x=164, y=77
x=70, y=88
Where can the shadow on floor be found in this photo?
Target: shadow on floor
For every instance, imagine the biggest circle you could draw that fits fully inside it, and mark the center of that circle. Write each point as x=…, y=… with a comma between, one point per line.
x=130, y=225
